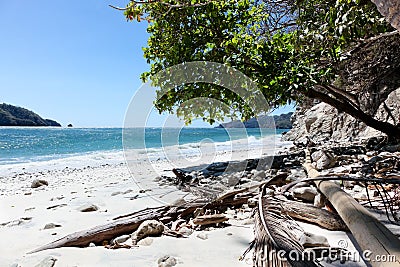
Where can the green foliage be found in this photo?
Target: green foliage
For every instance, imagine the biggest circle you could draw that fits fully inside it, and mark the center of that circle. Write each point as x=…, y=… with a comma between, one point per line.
x=285, y=59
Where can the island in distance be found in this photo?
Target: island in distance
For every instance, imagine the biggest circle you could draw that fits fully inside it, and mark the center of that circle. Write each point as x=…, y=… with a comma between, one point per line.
x=16, y=116
x=281, y=122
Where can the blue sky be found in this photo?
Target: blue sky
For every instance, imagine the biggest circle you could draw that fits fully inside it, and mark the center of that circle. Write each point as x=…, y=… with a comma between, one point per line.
x=73, y=61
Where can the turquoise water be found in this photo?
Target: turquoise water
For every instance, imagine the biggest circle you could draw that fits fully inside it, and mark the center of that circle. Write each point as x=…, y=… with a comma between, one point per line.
x=19, y=145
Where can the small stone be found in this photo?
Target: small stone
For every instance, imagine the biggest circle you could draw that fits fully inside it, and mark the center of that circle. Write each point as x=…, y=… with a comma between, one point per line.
x=92, y=245
x=120, y=239
x=28, y=193
x=166, y=261
x=148, y=228
x=38, y=183
x=202, y=236
x=51, y=226
x=145, y=242
x=305, y=193
x=309, y=240
x=88, y=208
x=185, y=231
x=47, y=262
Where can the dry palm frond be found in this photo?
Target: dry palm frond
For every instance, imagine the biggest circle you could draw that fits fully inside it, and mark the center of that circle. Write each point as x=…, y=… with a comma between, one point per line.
x=276, y=237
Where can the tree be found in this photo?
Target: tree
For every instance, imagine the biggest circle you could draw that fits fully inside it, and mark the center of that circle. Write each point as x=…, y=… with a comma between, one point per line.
x=340, y=52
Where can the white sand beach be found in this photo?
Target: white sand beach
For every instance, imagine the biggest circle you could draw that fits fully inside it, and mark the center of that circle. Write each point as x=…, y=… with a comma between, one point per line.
x=109, y=185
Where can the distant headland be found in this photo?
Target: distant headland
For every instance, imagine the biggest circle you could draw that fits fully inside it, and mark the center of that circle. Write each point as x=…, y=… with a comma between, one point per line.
x=16, y=116
x=280, y=122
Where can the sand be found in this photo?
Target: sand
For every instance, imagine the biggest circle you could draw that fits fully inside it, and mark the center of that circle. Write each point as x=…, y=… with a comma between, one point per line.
x=24, y=213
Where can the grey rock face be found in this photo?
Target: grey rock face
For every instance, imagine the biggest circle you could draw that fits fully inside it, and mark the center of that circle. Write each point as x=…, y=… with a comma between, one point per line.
x=391, y=10
x=321, y=122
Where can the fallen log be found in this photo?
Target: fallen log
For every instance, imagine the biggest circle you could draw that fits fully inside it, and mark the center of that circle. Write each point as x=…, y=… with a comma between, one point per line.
x=127, y=224
x=314, y=215
x=209, y=219
x=370, y=234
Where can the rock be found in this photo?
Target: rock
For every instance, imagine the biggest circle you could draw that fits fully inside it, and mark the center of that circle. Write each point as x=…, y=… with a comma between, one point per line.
x=47, y=262
x=148, y=228
x=92, y=245
x=51, y=226
x=309, y=240
x=185, y=231
x=88, y=208
x=115, y=193
x=38, y=183
x=321, y=122
x=167, y=261
x=390, y=9
x=145, y=242
x=323, y=159
x=305, y=193
x=202, y=236
x=120, y=239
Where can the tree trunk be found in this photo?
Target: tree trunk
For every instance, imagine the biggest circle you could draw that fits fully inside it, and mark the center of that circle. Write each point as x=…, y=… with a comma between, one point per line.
x=370, y=234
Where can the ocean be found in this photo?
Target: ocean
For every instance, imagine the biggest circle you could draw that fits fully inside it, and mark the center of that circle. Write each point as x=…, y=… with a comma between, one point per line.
x=23, y=145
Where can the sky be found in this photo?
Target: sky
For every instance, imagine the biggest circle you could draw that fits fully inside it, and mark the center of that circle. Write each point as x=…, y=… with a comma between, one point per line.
x=73, y=61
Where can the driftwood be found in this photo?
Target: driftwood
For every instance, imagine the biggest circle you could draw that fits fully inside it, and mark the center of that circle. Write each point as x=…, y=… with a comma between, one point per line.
x=210, y=219
x=314, y=215
x=127, y=224
x=369, y=233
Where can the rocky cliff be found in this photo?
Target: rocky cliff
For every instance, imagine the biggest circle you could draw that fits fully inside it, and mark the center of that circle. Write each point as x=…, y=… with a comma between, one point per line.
x=282, y=121
x=320, y=122
x=16, y=116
